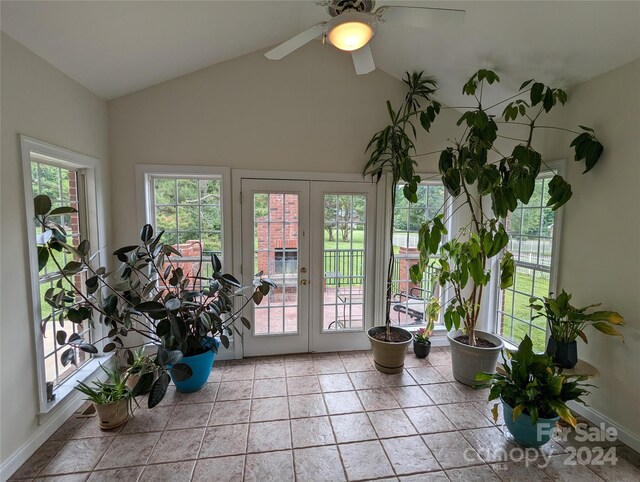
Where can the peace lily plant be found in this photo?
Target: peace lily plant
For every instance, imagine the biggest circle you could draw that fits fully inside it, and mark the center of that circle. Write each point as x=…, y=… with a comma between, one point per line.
x=489, y=183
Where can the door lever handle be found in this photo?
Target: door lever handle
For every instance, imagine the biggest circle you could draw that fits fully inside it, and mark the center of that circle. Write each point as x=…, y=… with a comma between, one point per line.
x=304, y=282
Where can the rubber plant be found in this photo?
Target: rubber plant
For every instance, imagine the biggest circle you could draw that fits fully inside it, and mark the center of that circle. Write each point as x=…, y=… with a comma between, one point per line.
x=391, y=150
x=148, y=293
x=490, y=184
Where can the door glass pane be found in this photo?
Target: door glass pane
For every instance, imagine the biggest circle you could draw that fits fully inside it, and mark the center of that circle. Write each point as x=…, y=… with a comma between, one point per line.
x=344, y=262
x=275, y=228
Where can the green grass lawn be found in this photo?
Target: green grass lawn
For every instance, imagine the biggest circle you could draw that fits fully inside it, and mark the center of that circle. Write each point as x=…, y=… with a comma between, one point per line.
x=521, y=310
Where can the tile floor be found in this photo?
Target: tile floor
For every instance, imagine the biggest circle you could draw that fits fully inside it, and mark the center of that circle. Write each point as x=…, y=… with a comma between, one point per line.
x=320, y=417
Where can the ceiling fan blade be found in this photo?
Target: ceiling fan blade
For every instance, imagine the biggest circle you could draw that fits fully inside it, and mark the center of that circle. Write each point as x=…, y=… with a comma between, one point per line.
x=363, y=60
x=296, y=42
x=421, y=17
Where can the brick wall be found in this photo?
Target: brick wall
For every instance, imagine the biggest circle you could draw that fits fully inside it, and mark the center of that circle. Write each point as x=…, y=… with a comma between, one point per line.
x=275, y=235
x=405, y=285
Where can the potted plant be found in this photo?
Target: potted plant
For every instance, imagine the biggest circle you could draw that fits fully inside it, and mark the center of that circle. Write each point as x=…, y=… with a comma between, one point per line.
x=534, y=393
x=567, y=323
x=111, y=398
x=488, y=185
x=421, y=342
x=391, y=149
x=138, y=365
x=183, y=314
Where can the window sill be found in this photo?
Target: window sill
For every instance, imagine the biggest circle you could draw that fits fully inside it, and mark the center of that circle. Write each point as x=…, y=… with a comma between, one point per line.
x=66, y=389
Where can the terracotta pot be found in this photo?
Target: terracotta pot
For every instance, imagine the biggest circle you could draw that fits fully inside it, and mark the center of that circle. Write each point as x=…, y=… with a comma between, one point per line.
x=467, y=360
x=113, y=415
x=388, y=357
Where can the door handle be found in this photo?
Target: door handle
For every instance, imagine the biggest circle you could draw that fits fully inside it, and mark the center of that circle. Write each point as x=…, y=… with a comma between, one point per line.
x=304, y=282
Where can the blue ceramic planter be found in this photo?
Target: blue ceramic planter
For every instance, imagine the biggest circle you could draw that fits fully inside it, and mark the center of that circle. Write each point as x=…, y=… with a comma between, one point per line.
x=200, y=366
x=524, y=431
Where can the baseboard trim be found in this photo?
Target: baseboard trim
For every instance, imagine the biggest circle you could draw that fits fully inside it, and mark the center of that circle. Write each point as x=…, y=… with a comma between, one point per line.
x=595, y=417
x=54, y=421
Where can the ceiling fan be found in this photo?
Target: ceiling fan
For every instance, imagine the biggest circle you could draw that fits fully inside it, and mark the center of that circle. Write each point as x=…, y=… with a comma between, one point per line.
x=354, y=22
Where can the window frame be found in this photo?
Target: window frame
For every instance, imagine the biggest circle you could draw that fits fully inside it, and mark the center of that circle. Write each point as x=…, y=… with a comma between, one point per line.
x=144, y=194
x=88, y=168
x=553, y=167
x=382, y=239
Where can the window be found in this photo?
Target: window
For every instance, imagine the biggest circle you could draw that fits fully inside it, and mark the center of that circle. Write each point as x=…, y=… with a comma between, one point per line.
x=68, y=178
x=286, y=261
x=532, y=229
x=189, y=210
x=409, y=300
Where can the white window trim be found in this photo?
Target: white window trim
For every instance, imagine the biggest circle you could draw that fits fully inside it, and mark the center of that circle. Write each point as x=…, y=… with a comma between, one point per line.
x=144, y=172
x=90, y=167
x=491, y=307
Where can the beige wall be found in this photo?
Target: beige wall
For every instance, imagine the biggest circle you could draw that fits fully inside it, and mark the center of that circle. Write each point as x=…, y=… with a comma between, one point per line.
x=307, y=112
x=41, y=102
x=600, y=241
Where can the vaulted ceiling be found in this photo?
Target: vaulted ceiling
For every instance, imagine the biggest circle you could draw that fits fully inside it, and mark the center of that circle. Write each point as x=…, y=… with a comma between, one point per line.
x=115, y=48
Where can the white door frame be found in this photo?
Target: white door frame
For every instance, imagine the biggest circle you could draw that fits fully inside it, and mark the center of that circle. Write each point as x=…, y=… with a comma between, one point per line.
x=237, y=175
x=349, y=339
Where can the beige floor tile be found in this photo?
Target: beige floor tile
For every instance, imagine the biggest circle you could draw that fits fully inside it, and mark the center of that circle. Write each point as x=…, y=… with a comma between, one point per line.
x=339, y=382
x=308, y=432
x=366, y=380
x=91, y=428
x=268, y=436
x=68, y=428
x=269, y=370
x=238, y=372
x=514, y=471
x=38, y=460
x=402, y=379
x=205, y=394
x=269, y=467
x=175, y=472
x=353, y=427
x=270, y=387
x=224, y=440
x=621, y=471
x=311, y=405
x=377, y=399
x=189, y=416
x=319, y=464
x=437, y=358
x=365, y=460
x=465, y=416
x=480, y=473
x=342, y=402
x=128, y=451
x=148, y=420
x=442, y=393
x=303, y=385
x=629, y=455
x=426, y=375
x=451, y=450
x=411, y=396
x=124, y=474
x=64, y=478
x=409, y=455
x=430, y=477
x=235, y=411
x=222, y=469
x=357, y=364
x=332, y=365
x=299, y=368
x=429, y=419
x=240, y=390
x=490, y=443
x=391, y=423
x=562, y=469
x=265, y=409
x=177, y=445
x=77, y=456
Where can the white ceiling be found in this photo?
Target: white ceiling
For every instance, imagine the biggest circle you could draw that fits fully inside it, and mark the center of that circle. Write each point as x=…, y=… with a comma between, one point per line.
x=115, y=48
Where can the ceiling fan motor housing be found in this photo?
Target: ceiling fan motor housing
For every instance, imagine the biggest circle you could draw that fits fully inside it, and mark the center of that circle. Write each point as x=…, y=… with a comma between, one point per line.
x=338, y=7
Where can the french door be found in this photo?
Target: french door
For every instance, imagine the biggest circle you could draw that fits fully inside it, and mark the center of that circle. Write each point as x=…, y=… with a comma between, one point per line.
x=315, y=241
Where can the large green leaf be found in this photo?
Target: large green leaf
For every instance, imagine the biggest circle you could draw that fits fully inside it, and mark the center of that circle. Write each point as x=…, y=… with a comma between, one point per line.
x=158, y=390
x=41, y=204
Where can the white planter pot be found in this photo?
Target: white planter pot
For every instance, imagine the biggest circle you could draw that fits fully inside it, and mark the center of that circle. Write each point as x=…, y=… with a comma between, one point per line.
x=468, y=360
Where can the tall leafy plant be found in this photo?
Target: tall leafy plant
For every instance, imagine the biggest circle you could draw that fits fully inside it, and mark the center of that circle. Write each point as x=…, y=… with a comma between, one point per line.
x=148, y=293
x=391, y=150
x=490, y=184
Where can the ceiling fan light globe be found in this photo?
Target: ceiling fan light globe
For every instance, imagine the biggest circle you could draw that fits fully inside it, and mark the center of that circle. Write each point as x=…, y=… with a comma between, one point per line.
x=350, y=36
